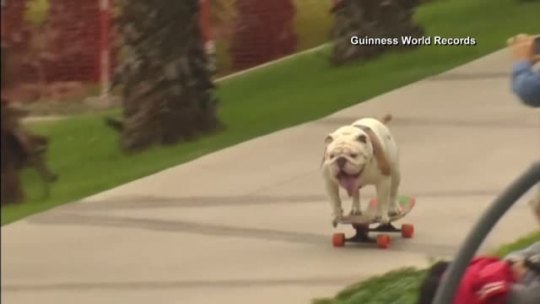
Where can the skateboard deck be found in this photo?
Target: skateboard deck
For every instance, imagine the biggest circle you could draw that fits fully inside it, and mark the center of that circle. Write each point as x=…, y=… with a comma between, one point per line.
x=361, y=224
x=405, y=203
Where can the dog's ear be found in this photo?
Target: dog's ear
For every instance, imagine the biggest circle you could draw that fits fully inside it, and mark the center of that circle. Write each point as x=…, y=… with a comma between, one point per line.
x=328, y=139
x=362, y=138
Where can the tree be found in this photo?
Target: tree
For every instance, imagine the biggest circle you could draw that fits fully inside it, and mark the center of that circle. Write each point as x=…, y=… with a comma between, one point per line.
x=373, y=19
x=166, y=86
x=20, y=148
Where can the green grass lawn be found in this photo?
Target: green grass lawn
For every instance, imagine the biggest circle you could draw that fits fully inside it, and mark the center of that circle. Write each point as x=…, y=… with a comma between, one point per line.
x=401, y=286
x=86, y=154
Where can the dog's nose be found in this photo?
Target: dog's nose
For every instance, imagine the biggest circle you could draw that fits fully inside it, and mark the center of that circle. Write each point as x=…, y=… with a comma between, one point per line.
x=342, y=161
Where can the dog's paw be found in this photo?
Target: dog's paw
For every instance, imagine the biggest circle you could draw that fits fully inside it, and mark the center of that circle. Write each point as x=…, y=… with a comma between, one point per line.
x=336, y=220
x=394, y=212
x=371, y=215
x=384, y=219
x=379, y=218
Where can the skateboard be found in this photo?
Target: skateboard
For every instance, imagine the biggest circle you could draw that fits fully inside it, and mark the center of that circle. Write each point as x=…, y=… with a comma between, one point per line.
x=361, y=224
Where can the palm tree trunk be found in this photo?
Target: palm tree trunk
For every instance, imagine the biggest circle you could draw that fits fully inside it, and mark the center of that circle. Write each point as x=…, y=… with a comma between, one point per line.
x=20, y=148
x=166, y=85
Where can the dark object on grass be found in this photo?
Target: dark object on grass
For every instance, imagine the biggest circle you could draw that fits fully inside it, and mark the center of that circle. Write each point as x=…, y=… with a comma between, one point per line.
x=167, y=90
x=20, y=148
x=114, y=123
x=386, y=19
x=431, y=282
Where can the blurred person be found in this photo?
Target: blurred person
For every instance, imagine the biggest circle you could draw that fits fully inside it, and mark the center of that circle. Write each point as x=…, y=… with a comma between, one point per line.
x=525, y=80
x=490, y=280
x=526, y=263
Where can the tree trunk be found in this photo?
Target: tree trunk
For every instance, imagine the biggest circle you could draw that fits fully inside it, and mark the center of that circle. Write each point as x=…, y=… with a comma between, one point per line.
x=20, y=148
x=12, y=191
x=373, y=19
x=166, y=85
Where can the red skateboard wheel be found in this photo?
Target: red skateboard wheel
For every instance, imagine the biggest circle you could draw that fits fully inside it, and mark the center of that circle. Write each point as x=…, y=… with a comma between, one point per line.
x=407, y=231
x=338, y=239
x=383, y=241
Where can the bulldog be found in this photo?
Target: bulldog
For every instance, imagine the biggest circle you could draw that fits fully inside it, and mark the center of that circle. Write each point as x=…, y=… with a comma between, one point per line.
x=361, y=154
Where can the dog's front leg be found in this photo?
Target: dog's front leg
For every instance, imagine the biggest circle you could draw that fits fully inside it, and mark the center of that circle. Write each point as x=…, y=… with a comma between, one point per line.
x=356, y=208
x=394, y=188
x=333, y=193
x=383, y=196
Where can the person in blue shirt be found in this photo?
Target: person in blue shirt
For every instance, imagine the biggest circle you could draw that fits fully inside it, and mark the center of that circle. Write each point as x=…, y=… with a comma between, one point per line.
x=525, y=80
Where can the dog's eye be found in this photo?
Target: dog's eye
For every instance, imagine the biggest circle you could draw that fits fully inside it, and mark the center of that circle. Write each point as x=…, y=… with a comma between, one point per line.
x=353, y=155
x=332, y=156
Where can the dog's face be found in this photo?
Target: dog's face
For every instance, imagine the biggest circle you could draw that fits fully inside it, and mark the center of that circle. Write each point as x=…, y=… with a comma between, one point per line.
x=348, y=150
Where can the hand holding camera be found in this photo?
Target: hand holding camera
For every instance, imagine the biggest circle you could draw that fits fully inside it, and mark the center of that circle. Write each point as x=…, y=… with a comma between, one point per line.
x=525, y=47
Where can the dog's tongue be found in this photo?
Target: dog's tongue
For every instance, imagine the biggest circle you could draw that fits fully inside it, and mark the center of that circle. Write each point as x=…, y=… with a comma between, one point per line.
x=349, y=183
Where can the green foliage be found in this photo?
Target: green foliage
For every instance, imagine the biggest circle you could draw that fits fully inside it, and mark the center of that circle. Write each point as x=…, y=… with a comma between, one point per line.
x=518, y=244
x=396, y=287
x=312, y=22
x=223, y=15
x=36, y=11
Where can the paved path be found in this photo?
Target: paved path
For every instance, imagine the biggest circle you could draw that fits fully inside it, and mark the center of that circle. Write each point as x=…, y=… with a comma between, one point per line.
x=251, y=224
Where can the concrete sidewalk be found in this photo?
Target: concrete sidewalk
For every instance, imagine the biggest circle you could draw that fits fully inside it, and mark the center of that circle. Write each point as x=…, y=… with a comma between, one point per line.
x=251, y=223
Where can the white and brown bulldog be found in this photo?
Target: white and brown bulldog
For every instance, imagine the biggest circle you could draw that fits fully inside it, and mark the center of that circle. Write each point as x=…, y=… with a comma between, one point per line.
x=361, y=154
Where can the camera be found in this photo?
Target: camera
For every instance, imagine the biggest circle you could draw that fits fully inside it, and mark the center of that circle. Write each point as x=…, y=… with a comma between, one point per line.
x=536, y=45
